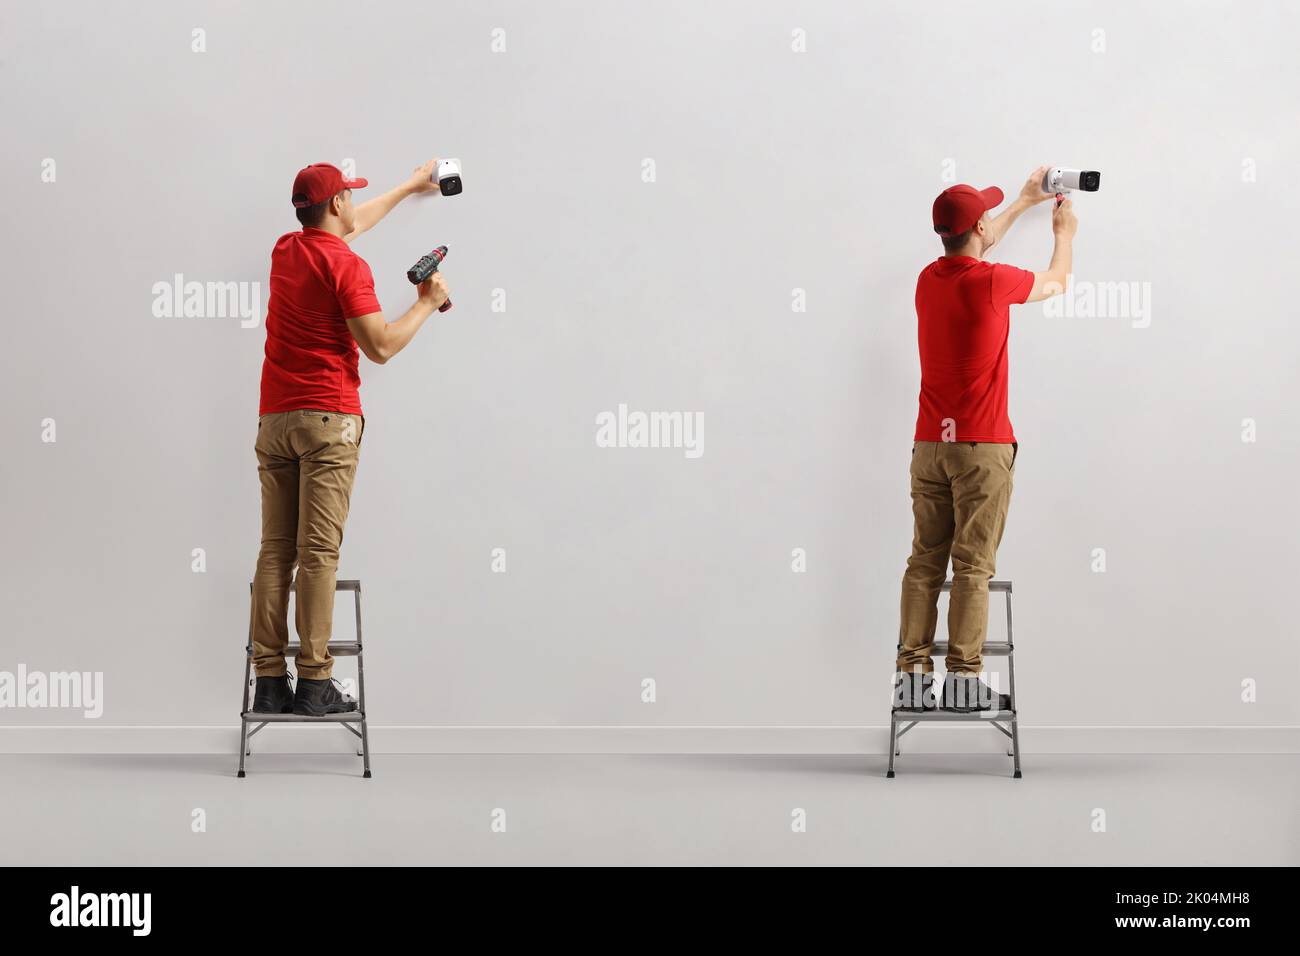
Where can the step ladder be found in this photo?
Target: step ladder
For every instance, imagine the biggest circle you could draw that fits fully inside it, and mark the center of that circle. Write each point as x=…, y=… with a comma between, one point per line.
x=995, y=719
x=348, y=722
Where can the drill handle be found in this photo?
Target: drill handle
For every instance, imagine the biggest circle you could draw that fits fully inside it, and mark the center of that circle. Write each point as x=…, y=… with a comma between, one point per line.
x=427, y=266
x=432, y=272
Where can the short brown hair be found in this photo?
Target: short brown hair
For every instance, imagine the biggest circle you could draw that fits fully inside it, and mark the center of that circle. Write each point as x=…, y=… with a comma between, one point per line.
x=953, y=243
x=312, y=215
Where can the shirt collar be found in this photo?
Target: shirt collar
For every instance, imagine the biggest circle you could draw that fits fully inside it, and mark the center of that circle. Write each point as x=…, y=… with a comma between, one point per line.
x=312, y=230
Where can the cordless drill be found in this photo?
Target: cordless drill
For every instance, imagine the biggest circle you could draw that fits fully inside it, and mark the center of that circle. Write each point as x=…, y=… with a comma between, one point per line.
x=426, y=267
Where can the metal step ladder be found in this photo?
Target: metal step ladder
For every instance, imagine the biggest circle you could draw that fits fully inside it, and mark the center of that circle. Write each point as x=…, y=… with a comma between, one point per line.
x=995, y=719
x=348, y=722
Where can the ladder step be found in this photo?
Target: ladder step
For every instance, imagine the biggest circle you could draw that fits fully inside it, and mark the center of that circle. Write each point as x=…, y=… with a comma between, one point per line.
x=993, y=586
x=347, y=585
x=355, y=717
x=991, y=716
x=337, y=648
x=990, y=649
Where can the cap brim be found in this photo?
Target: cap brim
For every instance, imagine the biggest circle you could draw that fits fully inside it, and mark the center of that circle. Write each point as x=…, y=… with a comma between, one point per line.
x=992, y=197
x=358, y=183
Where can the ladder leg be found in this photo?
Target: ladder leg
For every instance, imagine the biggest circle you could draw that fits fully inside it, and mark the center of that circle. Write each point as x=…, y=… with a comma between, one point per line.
x=365, y=749
x=243, y=719
x=361, y=691
x=1015, y=745
x=1011, y=659
x=248, y=682
x=893, y=715
x=893, y=743
x=1011, y=690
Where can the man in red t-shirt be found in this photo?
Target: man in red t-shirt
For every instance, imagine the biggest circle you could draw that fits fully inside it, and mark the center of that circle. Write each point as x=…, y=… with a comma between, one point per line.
x=322, y=306
x=964, y=454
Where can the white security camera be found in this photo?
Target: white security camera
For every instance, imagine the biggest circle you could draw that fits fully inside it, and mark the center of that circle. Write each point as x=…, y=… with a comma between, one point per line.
x=1058, y=180
x=448, y=176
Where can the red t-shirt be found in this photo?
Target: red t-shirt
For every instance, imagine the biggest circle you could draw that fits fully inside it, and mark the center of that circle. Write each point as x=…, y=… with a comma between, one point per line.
x=317, y=282
x=963, y=317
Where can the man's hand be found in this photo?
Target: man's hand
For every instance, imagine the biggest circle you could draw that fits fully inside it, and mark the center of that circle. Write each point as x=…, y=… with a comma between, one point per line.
x=433, y=291
x=422, y=180
x=1063, y=221
x=1031, y=193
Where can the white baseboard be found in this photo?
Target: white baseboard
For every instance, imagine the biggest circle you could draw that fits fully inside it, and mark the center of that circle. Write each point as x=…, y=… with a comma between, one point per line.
x=925, y=738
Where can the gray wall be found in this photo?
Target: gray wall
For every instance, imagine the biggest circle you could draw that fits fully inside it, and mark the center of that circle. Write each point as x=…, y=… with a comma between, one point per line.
x=776, y=170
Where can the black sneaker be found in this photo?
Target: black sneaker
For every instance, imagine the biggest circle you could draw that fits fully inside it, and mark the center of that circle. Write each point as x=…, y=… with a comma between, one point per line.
x=914, y=693
x=967, y=694
x=316, y=698
x=273, y=695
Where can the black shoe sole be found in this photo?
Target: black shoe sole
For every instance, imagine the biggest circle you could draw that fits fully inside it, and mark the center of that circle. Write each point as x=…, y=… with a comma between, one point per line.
x=286, y=709
x=303, y=710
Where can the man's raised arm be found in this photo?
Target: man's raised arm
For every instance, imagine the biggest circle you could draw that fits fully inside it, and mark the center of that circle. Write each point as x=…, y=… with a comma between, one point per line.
x=1052, y=282
x=369, y=213
x=1031, y=194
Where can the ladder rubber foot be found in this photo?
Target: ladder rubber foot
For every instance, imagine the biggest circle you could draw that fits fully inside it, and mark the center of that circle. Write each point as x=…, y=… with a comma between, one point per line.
x=889, y=775
x=366, y=775
x=241, y=774
x=1017, y=775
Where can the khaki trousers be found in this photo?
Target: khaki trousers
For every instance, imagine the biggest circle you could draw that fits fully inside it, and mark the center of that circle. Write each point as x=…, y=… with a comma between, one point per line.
x=960, y=494
x=306, y=460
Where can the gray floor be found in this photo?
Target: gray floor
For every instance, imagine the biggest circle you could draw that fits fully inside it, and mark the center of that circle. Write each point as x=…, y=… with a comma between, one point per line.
x=608, y=809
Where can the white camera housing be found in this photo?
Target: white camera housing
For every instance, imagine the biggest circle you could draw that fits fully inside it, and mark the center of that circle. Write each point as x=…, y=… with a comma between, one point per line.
x=448, y=176
x=1059, y=180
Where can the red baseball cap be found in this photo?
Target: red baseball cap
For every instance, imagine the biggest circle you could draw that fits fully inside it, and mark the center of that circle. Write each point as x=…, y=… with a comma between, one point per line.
x=959, y=207
x=319, y=181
